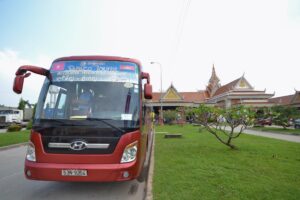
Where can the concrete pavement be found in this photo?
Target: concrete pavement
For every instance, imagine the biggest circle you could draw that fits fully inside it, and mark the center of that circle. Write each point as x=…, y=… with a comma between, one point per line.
x=13, y=184
x=3, y=130
x=290, y=138
x=279, y=136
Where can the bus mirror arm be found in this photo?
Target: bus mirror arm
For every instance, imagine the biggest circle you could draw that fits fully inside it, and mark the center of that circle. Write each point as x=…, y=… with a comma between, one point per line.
x=21, y=74
x=146, y=75
x=147, y=86
x=37, y=70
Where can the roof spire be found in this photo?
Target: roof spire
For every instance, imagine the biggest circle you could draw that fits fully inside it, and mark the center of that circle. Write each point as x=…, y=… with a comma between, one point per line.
x=214, y=76
x=214, y=70
x=213, y=84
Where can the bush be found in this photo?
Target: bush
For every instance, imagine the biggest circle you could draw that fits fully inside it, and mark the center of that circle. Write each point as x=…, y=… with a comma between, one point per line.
x=170, y=116
x=14, y=128
x=29, y=125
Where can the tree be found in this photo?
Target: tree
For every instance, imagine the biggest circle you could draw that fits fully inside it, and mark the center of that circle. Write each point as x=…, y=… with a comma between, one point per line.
x=34, y=110
x=22, y=104
x=223, y=123
x=263, y=113
x=283, y=114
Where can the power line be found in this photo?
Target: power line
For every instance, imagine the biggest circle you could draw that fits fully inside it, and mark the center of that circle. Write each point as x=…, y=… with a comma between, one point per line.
x=181, y=22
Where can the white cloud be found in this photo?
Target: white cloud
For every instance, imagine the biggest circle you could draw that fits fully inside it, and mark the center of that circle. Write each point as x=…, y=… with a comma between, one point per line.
x=252, y=37
x=10, y=61
x=255, y=37
x=258, y=38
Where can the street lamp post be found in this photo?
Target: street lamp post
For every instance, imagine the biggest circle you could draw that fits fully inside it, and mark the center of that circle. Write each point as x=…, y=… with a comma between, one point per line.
x=161, y=117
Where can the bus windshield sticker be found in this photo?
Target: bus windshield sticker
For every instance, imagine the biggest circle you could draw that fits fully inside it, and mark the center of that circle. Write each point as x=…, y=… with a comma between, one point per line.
x=104, y=71
x=58, y=66
x=128, y=85
x=126, y=116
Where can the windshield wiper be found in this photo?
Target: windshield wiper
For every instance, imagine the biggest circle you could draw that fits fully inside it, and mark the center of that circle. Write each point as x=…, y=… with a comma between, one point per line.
x=105, y=122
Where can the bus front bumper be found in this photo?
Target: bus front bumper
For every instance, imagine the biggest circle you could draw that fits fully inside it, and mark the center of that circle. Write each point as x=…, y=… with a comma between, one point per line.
x=95, y=172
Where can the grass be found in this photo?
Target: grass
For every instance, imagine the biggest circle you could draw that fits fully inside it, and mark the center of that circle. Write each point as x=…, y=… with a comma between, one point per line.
x=199, y=167
x=13, y=137
x=278, y=130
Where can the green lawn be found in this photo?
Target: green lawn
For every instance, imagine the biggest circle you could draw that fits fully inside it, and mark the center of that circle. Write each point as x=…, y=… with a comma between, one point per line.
x=13, y=138
x=199, y=167
x=278, y=130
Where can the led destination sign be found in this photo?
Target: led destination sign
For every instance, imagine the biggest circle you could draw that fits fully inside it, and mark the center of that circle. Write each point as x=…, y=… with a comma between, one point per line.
x=104, y=71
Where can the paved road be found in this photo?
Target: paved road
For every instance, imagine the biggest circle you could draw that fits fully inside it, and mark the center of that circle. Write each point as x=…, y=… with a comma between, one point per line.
x=2, y=130
x=13, y=184
x=291, y=138
x=287, y=137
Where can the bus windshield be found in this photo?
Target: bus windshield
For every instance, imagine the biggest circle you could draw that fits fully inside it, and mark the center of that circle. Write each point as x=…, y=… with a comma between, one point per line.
x=90, y=91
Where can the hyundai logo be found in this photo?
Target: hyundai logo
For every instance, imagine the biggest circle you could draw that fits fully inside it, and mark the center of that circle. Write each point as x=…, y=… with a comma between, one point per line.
x=78, y=145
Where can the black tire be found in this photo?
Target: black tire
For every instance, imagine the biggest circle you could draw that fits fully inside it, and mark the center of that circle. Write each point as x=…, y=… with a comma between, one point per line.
x=144, y=174
x=145, y=170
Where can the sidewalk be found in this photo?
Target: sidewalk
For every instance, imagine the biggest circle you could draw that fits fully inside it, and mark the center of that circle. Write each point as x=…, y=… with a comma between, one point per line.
x=290, y=138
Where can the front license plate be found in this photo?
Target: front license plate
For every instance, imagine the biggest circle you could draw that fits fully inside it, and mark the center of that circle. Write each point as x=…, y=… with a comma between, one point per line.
x=73, y=172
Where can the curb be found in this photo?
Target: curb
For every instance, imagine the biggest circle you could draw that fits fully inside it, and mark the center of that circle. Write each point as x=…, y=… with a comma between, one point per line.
x=149, y=193
x=13, y=146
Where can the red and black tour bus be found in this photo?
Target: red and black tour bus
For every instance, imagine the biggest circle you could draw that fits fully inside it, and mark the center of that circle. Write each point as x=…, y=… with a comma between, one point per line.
x=90, y=123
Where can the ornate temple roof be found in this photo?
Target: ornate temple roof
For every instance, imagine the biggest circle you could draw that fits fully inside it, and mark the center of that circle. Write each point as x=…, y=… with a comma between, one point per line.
x=214, y=83
x=172, y=95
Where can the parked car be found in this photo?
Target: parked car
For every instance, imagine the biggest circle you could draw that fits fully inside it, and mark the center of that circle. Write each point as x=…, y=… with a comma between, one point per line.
x=297, y=123
x=263, y=121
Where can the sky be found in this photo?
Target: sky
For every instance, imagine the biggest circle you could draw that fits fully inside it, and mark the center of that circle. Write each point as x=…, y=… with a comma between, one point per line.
x=257, y=38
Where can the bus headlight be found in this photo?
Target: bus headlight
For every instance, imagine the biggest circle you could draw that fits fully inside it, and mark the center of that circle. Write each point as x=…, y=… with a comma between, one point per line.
x=130, y=152
x=30, y=154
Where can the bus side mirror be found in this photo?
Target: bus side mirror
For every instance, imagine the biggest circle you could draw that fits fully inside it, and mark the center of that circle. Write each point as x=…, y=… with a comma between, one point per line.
x=146, y=76
x=147, y=91
x=21, y=73
x=18, y=83
x=147, y=86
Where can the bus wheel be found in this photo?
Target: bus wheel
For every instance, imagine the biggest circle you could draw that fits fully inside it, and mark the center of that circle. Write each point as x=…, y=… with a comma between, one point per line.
x=144, y=174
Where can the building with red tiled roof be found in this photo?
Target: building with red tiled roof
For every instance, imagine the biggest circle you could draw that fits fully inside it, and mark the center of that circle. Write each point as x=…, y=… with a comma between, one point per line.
x=237, y=92
x=288, y=100
x=283, y=100
x=173, y=98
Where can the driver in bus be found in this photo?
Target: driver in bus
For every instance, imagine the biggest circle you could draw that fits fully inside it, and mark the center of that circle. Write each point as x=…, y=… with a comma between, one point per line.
x=83, y=105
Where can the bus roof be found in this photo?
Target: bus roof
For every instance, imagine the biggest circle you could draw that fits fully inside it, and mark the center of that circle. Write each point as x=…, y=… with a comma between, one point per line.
x=98, y=57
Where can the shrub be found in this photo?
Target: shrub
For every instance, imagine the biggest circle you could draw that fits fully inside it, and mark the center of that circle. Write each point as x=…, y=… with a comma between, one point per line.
x=282, y=115
x=170, y=116
x=14, y=128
